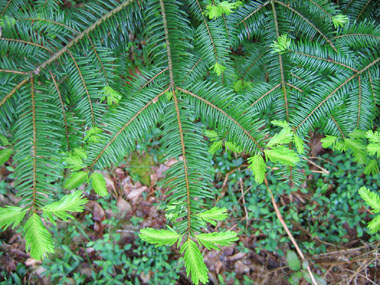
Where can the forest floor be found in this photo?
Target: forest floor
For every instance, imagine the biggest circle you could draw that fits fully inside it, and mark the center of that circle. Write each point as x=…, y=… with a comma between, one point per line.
x=134, y=204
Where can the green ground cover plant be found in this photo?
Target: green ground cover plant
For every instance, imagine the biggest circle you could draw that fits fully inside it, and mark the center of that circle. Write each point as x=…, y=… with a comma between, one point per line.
x=82, y=84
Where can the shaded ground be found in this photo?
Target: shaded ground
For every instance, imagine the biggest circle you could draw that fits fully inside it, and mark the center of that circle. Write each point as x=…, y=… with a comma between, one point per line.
x=137, y=206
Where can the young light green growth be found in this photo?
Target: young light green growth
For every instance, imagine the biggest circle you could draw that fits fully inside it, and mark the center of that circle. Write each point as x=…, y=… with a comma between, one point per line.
x=340, y=20
x=75, y=180
x=99, y=184
x=5, y=154
x=373, y=137
x=371, y=168
x=92, y=134
x=73, y=162
x=214, y=11
x=73, y=202
x=213, y=215
x=112, y=96
x=358, y=149
x=329, y=141
x=212, y=240
x=374, y=149
x=159, y=237
x=282, y=155
x=232, y=147
x=283, y=137
x=3, y=140
x=241, y=85
x=258, y=167
x=11, y=216
x=373, y=200
x=282, y=44
x=37, y=238
x=7, y=21
x=194, y=262
x=218, y=68
x=299, y=144
x=217, y=145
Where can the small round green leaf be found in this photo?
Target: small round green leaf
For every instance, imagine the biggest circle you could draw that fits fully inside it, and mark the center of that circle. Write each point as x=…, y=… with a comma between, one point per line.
x=293, y=260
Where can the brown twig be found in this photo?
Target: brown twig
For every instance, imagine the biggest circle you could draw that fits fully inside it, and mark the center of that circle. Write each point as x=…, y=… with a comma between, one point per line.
x=282, y=221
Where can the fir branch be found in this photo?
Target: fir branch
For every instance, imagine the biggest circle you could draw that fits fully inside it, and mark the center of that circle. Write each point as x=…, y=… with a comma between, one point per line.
x=265, y=94
x=281, y=64
x=114, y=137
x=59, y=53
x=63, y=109
x=26, y=43
x=208, y=30
x=255, y=11
x=336, y=90
x=359, y=101
x=85, y=88
x=34, y=145
x=153, y=78
x=225, y=114
x=185, y=167
x=363, y=9
x=325, y=59
x=309, y=22
x=5, y=8
x=170, y=64
x=14, y=71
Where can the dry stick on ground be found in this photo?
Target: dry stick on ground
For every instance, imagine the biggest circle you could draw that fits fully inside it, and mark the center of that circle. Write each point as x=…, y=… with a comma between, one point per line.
x=281, y=219
x=365, y=277
x=242, y=196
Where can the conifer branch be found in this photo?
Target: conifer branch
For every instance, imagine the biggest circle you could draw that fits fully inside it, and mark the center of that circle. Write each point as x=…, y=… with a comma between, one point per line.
x=5, y=8
x=27, y=43
x=114, y=137
x=168, y=50
x=14, y=71
x=97, y=56
x=85, y=87
x=372, y=88
x=253, y=63
x=69, y=45
x=153, y=78
x=34, y=145
x=185, y=167
x=294, y=87
x=363, y=9
x=208, y=30
x=225, y=114
x=309, y=22
x=13, y=91
x=51, y=22
x=63, y=110
x=321, y=8
x=265, y=94
x=336, y=90
x=360, y=101
x=281, y=64
x=337, y=125
x=255, y=11
x=356, y=34
x=325, y=59
x=192, y=68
